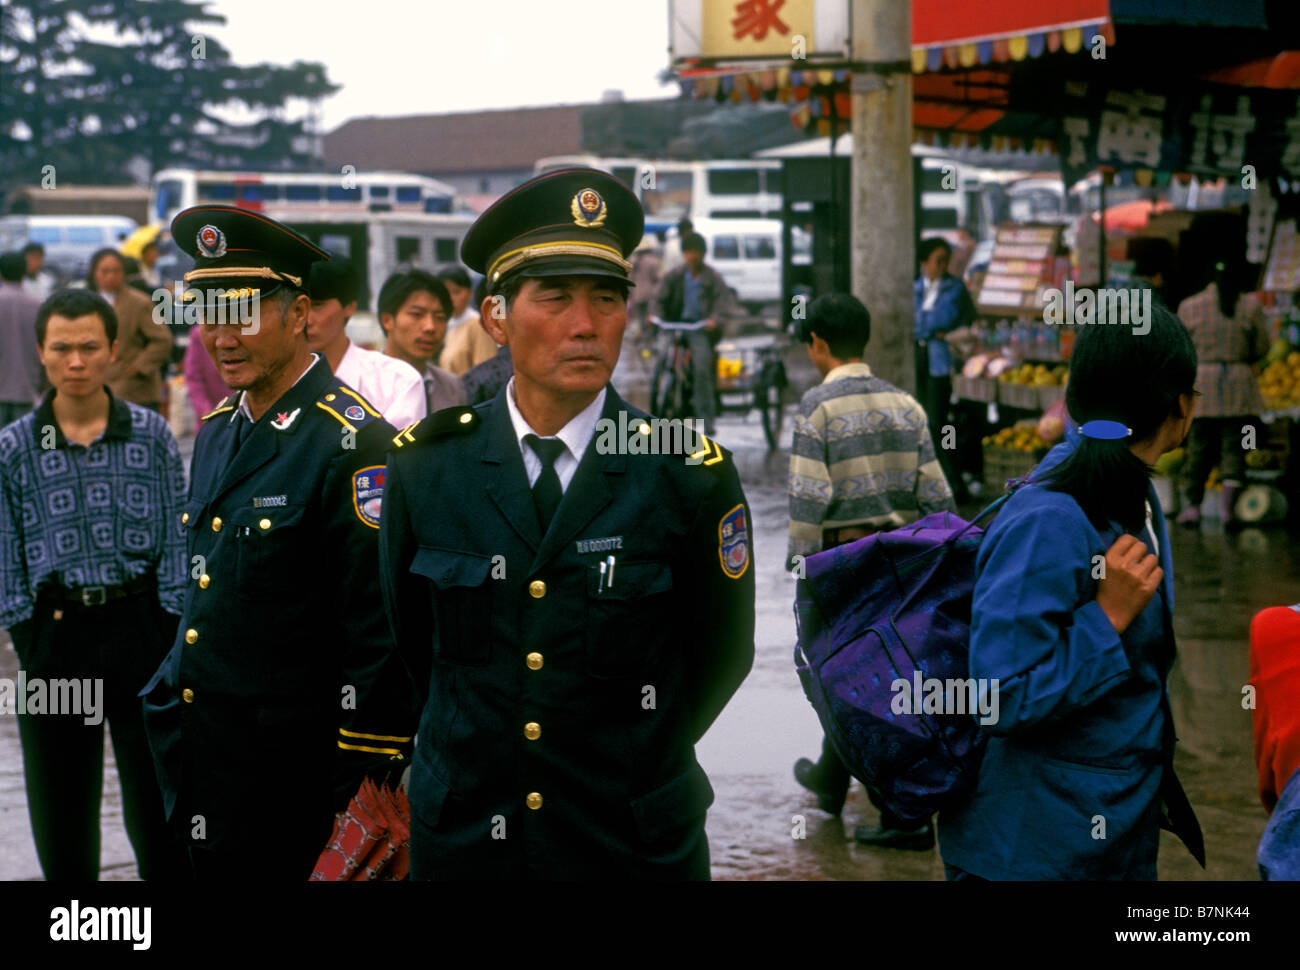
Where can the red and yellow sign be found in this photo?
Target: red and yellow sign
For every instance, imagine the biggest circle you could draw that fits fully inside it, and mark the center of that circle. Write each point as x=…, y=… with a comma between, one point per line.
x=755, y=28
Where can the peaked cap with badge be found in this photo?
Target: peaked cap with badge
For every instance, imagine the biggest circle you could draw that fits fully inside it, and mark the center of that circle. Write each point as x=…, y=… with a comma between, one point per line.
x=282, y=615
x=567, y=222
x=237, y=252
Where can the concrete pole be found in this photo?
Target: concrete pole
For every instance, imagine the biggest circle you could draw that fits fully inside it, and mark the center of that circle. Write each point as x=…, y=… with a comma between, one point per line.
x=882, y=223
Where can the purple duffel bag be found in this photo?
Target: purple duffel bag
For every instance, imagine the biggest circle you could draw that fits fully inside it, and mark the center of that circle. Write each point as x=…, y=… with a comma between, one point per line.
x=895, y=606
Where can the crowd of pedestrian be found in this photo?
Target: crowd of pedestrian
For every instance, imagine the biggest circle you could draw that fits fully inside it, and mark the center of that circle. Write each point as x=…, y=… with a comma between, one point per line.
x=472, y=429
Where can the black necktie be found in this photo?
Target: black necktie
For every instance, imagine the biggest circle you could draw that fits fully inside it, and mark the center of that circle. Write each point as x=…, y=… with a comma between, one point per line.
x=242, y=427
x=546, y=490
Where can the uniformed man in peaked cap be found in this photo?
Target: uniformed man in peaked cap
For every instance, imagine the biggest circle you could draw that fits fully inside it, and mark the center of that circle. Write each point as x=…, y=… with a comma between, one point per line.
x=581, y=609
x=283, y=688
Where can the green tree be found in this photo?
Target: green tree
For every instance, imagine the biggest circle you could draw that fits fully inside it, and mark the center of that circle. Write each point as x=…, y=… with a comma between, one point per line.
x=88, y=106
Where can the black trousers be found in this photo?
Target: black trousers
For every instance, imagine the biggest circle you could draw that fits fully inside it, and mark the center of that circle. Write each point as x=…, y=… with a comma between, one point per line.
x=116, y=646
x=934, y=395
x=1210, y=442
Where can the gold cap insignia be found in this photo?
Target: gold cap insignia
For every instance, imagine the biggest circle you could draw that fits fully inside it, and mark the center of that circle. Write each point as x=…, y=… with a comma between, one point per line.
x=211, y=242
x=588, y=209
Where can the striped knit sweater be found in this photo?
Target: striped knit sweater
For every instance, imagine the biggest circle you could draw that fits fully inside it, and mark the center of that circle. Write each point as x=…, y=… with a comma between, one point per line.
x=862, y=456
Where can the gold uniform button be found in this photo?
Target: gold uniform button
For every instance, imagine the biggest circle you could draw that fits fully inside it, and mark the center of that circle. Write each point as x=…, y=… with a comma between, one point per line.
x=534, y=661
x=216, y=524
x=532, y=730
x=191, y=636
x=204, y=580
x=466, y=418
x=264, y=524
x=537, y=589
x=534, y=800
x=187, y=696
x=329, y=397
x=185, y=517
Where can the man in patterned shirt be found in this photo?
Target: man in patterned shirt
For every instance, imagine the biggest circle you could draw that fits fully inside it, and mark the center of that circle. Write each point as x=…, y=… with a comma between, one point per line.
x=861, y=462
x=91, y=584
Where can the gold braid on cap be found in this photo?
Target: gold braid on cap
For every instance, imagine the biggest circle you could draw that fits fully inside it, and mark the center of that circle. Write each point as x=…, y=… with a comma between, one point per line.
x=509, y=260
x=239, y=272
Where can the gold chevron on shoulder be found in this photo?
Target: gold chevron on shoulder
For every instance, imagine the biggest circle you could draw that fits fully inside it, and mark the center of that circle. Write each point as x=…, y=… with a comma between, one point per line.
x=225, y=404
x=709, y=454
x=404, y=437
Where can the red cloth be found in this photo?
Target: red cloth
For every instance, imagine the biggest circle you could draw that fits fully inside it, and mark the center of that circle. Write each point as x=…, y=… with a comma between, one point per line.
x=371, y=840
x=1275, y=672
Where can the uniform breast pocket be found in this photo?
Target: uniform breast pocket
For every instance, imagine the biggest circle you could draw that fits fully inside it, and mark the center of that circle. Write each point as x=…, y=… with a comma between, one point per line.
x=269, y=544
x=462, y=603
x=628, y=617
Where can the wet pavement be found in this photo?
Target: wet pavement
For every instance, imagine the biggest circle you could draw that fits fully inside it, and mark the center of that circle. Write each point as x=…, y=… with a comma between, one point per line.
x=1221, y=581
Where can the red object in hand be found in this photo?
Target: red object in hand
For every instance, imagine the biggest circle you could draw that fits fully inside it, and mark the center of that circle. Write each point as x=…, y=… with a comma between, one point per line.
x=371, y=840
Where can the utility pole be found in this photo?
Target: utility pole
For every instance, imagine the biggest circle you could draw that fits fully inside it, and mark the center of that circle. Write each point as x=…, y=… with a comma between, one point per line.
x=882, y=258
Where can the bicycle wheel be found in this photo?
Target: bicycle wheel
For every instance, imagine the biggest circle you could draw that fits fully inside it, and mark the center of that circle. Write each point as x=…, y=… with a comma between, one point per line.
x=660, y=384
x=769, y=398
x=678, y=401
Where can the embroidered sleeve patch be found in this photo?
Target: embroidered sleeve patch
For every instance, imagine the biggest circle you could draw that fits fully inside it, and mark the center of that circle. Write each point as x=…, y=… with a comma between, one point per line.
x=368, y=494
x=733, y=542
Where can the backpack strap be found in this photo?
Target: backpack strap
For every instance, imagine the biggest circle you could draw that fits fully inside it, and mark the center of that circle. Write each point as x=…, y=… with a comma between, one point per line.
x=992, y=507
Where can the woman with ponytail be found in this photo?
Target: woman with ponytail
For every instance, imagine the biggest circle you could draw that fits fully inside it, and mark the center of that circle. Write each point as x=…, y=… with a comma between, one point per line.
x=1072, y=628
x=1227, y=327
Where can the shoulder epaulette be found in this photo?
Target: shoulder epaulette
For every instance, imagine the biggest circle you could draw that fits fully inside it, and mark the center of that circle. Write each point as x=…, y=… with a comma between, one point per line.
x=440, y=424
x=225, y=404
x=709, y=453
x=348, y=407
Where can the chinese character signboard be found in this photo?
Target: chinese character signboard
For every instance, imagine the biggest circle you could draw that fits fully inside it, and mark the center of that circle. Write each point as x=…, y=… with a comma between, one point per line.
x=721, y=31
x=1210, y=131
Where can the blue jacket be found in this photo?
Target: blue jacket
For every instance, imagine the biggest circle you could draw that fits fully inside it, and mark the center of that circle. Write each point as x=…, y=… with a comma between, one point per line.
x=953, y=308
x=1279, y=849
x=1080, y=758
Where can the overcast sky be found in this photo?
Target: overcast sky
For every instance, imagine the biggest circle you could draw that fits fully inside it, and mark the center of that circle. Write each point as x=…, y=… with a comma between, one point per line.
x=398, y=57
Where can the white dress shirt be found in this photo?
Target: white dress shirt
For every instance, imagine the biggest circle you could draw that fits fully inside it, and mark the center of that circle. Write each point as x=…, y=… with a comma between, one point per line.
x=576, y=435
x=931, y=294
x=392, y=386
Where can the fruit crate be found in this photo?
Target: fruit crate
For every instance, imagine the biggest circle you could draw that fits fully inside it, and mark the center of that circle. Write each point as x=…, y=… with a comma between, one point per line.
x=975, y=388
x=1024, y=396
x=1001, y=464
x=1049, y=395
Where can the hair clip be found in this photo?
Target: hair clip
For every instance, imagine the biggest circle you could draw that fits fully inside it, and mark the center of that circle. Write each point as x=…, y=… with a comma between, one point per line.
x=1105, y=430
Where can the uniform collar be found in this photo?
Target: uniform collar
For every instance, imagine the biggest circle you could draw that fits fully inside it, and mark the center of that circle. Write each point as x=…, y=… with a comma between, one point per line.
x=576, y=435
x=286, y=401
x=857, y=368
x=118, y=427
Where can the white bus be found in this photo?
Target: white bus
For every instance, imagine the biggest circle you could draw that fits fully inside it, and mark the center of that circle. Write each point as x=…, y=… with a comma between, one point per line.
x=285, y=195
x=380, y=244
x=669, y=190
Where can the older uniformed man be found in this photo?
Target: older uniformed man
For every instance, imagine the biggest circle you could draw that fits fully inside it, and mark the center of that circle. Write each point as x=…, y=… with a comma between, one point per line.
x=582, y=610
x=283, y=688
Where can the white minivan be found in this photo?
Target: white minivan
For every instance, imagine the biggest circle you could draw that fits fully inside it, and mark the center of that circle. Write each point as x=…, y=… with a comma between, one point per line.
x=747, y=254
x=69, y=241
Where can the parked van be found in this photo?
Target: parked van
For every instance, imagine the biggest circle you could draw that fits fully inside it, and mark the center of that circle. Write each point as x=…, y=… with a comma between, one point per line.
x=69, y=241
x=747, y=254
